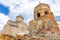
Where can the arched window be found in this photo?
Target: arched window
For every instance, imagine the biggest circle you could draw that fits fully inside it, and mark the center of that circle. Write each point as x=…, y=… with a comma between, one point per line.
x=46, y=12
x=38, y=14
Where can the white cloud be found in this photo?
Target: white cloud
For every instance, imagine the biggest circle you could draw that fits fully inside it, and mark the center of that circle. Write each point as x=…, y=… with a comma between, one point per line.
x=56, y=9
x=45, y=1
x=26, y=7
x=3, y=20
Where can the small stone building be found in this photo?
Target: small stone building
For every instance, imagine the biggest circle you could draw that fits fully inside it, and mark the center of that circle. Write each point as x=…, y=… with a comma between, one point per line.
x=17, y=27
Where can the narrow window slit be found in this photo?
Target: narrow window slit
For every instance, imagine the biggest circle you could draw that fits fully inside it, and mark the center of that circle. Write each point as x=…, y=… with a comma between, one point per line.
x=38, y=14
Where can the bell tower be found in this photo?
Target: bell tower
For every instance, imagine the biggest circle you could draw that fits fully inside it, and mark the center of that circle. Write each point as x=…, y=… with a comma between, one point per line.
x=41, y=9
x=44, y=20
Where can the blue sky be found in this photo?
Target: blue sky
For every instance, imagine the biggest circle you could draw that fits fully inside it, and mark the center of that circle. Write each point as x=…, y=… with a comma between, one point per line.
x=4, y=9
x=9, y=9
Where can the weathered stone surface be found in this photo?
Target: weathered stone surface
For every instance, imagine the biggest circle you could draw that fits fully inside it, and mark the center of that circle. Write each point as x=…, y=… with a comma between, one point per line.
x=17, y=27
x=42, y=27
x=44, y=23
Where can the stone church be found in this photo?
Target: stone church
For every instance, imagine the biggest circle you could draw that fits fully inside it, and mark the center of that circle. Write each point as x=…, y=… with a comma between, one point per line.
x=17, y=27
x=42, y=27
